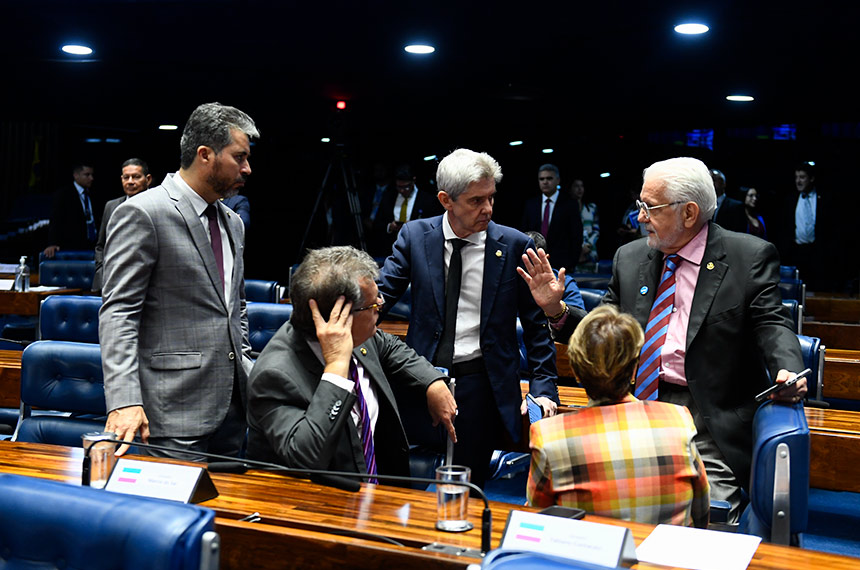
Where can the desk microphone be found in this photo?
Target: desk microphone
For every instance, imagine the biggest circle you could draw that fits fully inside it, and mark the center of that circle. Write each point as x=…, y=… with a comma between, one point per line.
x=16, y=341
x=344, y=480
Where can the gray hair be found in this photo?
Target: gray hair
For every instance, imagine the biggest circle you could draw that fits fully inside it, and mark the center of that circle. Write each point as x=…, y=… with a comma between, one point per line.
x=324, y=275
x=685, y=180
x=211, y=124
x=550, y=168
x=137, y=162
x=463, y=167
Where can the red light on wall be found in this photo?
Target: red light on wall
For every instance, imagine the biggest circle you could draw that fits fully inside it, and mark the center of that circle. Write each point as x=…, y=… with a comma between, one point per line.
x=341, y=105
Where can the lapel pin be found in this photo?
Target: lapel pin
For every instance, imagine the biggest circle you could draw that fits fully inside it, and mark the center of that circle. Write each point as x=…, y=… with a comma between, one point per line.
x=643, y=290
x=498, y=253
x=363, y=351
x=710, y=265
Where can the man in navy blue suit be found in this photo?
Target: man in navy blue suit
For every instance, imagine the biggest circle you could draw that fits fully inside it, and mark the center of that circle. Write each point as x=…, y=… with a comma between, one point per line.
x=466, y=297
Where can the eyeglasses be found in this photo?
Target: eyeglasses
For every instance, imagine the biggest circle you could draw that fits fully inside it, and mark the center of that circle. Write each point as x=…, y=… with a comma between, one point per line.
x=643, y=207
x=378, y=305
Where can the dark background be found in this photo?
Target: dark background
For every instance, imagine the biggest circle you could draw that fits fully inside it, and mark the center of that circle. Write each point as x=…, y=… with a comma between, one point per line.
x=608, y=85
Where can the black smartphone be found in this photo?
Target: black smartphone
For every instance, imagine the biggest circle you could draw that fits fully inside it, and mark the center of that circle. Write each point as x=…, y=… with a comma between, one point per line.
x=777, y=387
x=564, y=512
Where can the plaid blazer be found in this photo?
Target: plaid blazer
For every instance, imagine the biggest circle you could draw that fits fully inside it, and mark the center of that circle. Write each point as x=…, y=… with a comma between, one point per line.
x=634, y=460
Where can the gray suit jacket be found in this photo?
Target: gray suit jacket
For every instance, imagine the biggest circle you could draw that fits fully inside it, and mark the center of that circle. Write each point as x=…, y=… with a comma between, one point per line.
x=168, y=341
x=98, y=278
x=297, y=419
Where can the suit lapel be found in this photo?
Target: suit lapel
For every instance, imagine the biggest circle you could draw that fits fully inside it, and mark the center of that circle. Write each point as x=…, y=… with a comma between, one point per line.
x=711, y=274
x=649, y=280
x=198, y=236
x=434, y=253
x=235, y=242
x=495, y=257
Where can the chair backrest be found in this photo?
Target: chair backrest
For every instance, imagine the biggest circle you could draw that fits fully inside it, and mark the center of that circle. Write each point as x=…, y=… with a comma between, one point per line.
x=66, y=377
x=264, y=320
x=795, y=309
x=789, y=272
x=259, y=291
x=591, y=297
x=779, y=482
x=100, y=530
x=813, y=358
x=793, y=289
x=70, y=317
x=85, y=255
x=67, y=273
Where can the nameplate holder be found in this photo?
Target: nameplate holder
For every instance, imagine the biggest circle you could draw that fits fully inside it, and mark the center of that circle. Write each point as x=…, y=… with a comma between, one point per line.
x=582, y=541
x=181, y=483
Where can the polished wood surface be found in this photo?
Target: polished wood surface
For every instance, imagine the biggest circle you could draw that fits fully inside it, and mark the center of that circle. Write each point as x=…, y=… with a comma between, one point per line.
x=832, y=309
x=841, y=374
x=10, y=378
x=18, y=303
x=834, y=335
x=308, y=525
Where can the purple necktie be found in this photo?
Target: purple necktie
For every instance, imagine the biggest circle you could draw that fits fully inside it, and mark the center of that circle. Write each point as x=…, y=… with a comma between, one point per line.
x=366, y=433
x=215, y=238
x=544, y=225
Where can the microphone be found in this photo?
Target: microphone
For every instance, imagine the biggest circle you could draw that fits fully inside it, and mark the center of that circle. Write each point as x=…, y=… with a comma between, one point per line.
x=16, y=341
x=344, y=480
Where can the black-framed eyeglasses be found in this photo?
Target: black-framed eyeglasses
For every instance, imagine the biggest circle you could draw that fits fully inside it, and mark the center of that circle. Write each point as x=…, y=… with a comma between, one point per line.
x=643, y=207
x=378, y=305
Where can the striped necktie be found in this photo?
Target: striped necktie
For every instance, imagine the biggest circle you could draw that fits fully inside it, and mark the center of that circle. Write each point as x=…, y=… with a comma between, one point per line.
x=366, y=433
x=650, y=361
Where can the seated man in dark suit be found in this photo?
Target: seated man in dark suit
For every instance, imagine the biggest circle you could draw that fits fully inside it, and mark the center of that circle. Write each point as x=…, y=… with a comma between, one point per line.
x=73, y=224
x=729, y=212
x=320, y=395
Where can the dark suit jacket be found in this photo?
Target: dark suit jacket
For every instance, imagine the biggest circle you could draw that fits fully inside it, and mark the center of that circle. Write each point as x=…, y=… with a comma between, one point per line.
x=731, y=215
x=297, y=419
x=418, y=257
x=68, y=227
x=738, y=330
x=426, y=206
x=564, y=239
x=98, y=277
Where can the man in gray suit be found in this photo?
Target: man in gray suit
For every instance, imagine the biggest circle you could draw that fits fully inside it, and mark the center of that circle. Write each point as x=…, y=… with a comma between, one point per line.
x=320, y=395
x=173, y=326
x=135, y=179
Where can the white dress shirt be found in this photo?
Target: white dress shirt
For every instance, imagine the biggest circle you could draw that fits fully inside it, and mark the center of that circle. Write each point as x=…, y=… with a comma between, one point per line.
x=367, y=389
x=398, y=204
x=467, y=337
x=553, y=198
x=804, y=217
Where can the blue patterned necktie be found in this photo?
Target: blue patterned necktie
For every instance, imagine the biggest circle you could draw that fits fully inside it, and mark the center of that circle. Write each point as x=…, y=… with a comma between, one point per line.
x=650, y=361
x=366, y=433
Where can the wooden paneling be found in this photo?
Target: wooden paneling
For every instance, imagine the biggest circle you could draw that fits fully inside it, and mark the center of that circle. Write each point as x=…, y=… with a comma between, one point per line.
x=832, y=309
x=834, y=335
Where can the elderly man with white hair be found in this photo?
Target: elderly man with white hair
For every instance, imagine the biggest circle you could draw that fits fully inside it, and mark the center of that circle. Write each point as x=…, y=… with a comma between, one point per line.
x=709, y=303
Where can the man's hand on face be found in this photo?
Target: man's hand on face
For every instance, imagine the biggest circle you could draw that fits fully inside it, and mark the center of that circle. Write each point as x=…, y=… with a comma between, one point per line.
x=335, y=336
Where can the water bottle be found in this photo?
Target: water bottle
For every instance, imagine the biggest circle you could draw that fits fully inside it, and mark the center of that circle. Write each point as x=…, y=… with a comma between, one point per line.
x=22, y=276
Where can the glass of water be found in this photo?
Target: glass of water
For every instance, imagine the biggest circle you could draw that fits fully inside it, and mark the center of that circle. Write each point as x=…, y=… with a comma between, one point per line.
x=452, y=501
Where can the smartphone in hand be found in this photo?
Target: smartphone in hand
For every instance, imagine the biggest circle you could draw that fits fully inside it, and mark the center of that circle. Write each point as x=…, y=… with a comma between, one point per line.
x=535, y=409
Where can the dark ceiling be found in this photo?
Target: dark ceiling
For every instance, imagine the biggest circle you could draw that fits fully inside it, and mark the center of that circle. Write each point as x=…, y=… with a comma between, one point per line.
x=516, y=70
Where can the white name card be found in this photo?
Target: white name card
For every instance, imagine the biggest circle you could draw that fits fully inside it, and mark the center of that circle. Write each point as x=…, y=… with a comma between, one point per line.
x=601, y=544
x=181, y=483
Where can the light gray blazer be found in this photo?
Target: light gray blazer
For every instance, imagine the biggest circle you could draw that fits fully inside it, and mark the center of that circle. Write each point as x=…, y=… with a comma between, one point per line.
x=168, y=341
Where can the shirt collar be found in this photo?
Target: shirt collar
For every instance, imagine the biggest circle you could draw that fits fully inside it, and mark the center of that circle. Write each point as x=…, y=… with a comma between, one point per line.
x=477, y=238
x=553, y=197
x=197, y=201
x=79, y=188
x=694, y=251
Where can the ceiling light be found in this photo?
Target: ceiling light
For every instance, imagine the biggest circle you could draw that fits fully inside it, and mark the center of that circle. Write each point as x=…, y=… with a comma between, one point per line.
x=93, y=140
x=75, y=49
x=547, y=151
x=605, y=175
x=420, y=49
x=515, y=143
x=691, y=29
x=429, y=158
x=112, y=141
x=167, y=127
x=325, y=140
x=743, y=98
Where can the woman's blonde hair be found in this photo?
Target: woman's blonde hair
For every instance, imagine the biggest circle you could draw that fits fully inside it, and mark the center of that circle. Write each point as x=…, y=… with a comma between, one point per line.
x=604, y=352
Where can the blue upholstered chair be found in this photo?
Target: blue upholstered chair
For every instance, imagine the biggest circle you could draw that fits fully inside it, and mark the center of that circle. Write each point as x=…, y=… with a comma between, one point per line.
x=70, y=317
x=58, y=525
x=813, y=358
x=591, y=297
x=259, y=291
x=793, y=289
x=64, y=377
x=789, y=272
x=67, y=273
x=779, y=482
x=795, y=309
x=65, y=255
x=264, y=320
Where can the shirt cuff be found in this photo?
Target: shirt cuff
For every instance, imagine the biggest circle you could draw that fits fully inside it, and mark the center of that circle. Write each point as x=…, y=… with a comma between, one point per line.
x=339, y=381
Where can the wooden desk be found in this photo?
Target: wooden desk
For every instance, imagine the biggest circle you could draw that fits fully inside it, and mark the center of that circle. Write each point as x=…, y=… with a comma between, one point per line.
x=301, y=521
x=10, y=378
x=841, y=374
x=833, y=309
x=27, y=304
x=834, y=335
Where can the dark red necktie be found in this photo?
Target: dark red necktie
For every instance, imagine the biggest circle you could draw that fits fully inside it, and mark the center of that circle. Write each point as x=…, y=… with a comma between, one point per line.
x=215, y=238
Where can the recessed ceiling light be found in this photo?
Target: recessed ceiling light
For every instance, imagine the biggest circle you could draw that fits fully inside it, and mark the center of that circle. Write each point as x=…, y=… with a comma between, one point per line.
x=93, y=140
x=605, y=174
x=421, y=49
x=75, y=49
x=547, y=151
x=167, y=127
x=325, y=139
x=742, y=98
x=114, y=141
x=515, y=143
x=691, y=28
x=429, y=158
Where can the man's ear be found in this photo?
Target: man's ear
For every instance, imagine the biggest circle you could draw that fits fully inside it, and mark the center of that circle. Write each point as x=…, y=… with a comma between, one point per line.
x=691, y=214
x=444, y=199
x=205, y=154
